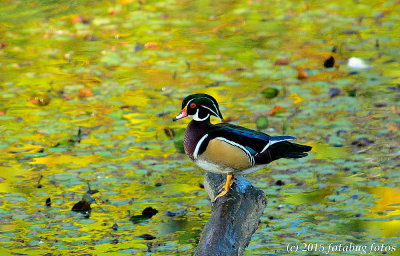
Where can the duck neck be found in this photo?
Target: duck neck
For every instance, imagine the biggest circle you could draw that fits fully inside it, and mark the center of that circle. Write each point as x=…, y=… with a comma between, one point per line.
x=193, y=133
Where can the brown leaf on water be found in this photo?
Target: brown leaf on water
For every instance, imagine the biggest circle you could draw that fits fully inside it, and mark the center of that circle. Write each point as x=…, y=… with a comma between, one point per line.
x=113, y=12
x=276, y=110
x=129, y=107
x=216, y=29
x=301, y=74
x=394, y=127
x=151, y=45
x=80, y=19
x=281, y=62
x=85, y=92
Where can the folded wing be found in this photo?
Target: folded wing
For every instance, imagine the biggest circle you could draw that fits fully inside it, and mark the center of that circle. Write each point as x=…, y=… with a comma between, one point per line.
x=259, y=147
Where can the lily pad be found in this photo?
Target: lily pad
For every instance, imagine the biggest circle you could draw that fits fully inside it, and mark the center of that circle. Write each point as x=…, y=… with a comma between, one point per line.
x=262, y=122
x=270, y=93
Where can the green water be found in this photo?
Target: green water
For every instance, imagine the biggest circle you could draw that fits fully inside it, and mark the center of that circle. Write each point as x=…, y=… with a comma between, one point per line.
x=118, y=70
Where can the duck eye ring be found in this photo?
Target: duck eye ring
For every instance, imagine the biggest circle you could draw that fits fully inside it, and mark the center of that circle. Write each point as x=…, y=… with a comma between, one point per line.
x=193, y=105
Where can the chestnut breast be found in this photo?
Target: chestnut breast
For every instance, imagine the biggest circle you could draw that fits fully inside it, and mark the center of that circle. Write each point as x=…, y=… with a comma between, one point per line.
x=193, y=133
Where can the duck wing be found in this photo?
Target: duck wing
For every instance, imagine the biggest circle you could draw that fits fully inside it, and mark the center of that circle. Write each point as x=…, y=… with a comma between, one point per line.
x=253, y=143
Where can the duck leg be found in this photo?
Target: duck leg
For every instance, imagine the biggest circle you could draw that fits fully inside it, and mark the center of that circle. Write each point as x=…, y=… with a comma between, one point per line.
x=225, y=188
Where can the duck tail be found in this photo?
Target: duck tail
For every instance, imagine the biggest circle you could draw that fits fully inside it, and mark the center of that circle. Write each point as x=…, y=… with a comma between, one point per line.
x=286, y=149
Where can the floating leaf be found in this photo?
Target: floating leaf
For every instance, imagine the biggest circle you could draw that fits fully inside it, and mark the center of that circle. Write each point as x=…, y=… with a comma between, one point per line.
x=261, y=122
x=70, y=141
x=270, y=93
x=85, y=92
x=111, y=59
x=147, y=213
x=301, y=74
x=117, y=114
x=175, y=213
x=333, y=92
x=276, y=110
x=138, y=218
x=281, y=62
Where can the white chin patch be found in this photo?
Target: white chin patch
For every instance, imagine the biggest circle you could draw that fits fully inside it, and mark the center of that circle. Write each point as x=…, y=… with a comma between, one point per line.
x=196, y=116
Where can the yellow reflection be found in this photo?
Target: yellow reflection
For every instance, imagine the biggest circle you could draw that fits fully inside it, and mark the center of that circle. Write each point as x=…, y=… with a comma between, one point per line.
x=296, y=98
x=383, y=229
x=8, y=178
x=386, y=206
x=52, y=161
x=324, y=151
x=388, y=202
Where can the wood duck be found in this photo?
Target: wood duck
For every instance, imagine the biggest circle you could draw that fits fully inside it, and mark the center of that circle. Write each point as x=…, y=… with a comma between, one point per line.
x=226, y=148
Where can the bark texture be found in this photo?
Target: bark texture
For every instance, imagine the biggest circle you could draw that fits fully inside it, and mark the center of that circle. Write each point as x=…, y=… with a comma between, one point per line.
x=234, y=217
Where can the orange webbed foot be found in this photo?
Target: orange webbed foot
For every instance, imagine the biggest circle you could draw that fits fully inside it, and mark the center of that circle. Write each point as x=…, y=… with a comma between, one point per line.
x=225, y=187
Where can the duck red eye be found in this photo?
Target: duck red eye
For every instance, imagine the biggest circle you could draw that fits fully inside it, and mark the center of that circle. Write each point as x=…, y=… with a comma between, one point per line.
x=192, y=105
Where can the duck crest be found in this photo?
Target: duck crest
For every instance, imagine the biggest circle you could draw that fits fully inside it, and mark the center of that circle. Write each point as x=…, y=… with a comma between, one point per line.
x=193, y=133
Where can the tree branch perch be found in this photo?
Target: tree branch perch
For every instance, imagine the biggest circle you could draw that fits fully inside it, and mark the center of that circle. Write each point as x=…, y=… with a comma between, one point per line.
x=234, y=217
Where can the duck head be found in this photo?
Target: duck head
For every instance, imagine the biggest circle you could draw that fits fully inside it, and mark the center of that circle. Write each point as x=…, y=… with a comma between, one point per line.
x=200, y=107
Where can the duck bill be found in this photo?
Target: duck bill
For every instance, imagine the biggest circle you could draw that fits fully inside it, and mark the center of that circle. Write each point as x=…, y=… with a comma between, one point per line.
x=181, y=115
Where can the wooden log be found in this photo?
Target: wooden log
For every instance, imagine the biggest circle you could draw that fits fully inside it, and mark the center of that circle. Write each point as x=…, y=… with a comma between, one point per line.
x=234, y=217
